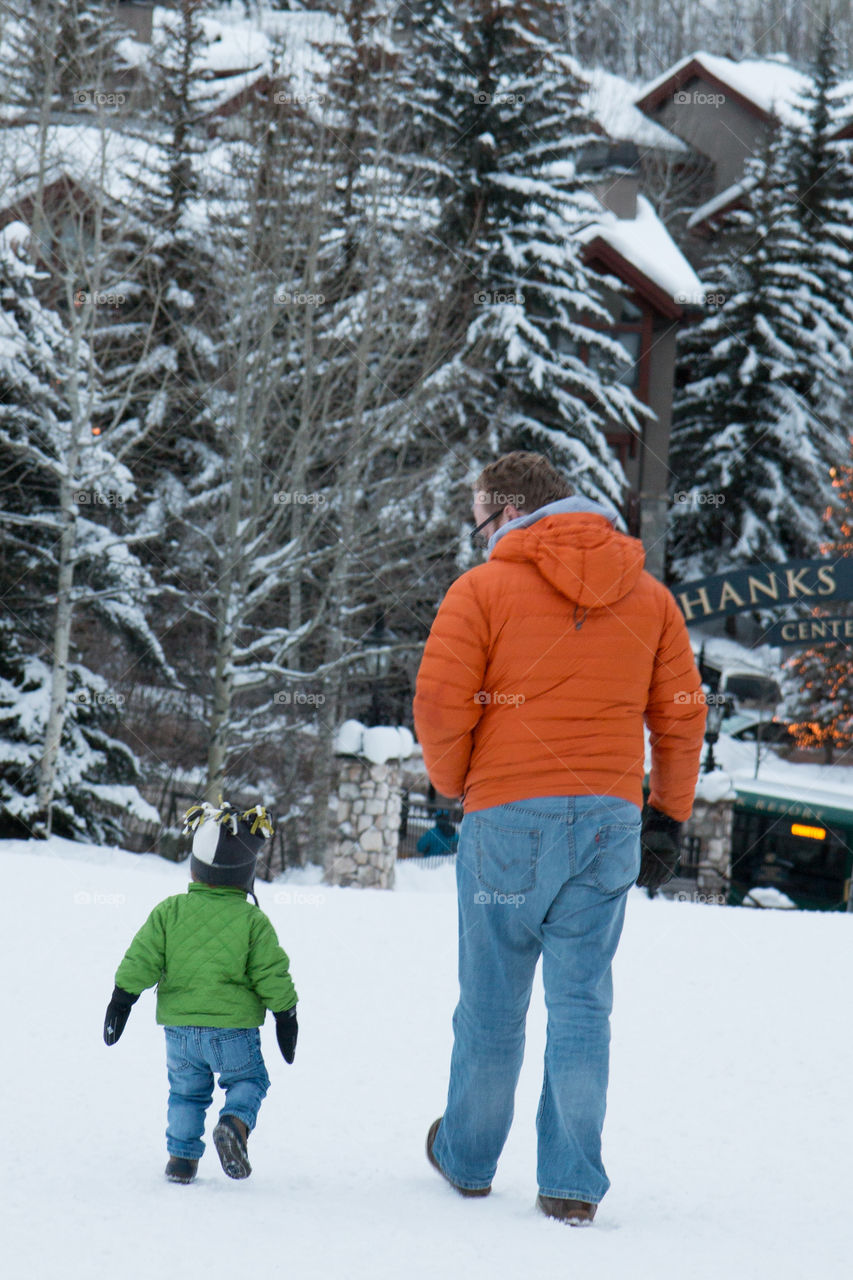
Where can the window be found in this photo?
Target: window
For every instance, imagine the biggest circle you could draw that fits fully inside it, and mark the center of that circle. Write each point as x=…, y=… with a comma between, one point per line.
x=628, y=332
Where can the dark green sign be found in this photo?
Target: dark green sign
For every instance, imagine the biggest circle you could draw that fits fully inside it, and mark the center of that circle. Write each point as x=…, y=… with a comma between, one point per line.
x=811, y=582
x=811, y=631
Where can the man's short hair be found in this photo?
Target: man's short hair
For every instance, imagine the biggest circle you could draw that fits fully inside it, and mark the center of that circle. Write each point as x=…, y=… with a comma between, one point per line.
x=524, y=480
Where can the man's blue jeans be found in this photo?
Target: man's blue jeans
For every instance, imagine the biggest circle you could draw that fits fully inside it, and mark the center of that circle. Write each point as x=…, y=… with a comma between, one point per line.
x=542, y=876
x=193, y=1054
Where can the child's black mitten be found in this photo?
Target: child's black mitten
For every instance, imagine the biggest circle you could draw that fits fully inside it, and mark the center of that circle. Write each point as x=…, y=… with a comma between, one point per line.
x=118, y=1012
x=286, y=1031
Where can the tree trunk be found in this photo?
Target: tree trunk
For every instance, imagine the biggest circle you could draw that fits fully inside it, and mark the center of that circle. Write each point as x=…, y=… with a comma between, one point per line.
x=61, y=643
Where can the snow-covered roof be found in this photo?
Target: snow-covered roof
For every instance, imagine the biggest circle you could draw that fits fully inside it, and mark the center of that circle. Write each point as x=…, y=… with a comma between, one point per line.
x=610, y=101
x=238, y=50
x=645, y=242
x=771, y=84
x=780, y=780
x=231, y=44
x=723, y=200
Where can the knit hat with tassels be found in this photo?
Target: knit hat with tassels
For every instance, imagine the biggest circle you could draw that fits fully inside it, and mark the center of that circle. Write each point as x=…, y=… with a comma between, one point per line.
x=226, y=843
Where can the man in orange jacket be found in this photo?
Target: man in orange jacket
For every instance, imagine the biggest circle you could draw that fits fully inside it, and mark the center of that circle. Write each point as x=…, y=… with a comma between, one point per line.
x=540, y=670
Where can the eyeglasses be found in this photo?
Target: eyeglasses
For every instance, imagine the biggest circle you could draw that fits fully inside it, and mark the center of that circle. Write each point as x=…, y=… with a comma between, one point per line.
x=478, y=539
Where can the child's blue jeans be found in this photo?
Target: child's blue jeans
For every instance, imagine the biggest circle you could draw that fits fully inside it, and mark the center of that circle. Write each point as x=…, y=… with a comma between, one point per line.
x=193, y=1054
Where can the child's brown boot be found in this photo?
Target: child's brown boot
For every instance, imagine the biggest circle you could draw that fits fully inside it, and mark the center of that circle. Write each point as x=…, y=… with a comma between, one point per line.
x=229, y=1138
x=180, y=1170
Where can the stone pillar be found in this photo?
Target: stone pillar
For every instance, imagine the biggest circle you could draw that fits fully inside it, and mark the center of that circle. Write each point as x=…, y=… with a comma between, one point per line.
x=366, y=824
x=712, y=822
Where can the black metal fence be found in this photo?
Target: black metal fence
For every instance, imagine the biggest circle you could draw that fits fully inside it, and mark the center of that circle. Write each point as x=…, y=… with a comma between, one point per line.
x=691, y=853
x=417, y=817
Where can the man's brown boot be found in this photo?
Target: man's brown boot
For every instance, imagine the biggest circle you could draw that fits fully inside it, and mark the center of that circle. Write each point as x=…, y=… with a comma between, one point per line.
x=229, y=1138
x=578, y=1213
x=430, y=1143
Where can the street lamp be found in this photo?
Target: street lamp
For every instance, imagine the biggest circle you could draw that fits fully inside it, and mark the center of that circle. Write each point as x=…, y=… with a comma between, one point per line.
x=717, y=712
x=377, y=665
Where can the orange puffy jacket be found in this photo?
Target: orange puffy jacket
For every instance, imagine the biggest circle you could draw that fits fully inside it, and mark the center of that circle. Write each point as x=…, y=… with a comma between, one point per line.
x=544, y=662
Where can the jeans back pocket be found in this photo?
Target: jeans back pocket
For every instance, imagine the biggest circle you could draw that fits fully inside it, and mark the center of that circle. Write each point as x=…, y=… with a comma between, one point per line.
x=617, y=863
x=233, y=1050
x=506, y=856
x=176, y=1049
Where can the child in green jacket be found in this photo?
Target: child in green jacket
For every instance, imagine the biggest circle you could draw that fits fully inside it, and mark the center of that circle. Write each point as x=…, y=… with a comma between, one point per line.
x=218, y=967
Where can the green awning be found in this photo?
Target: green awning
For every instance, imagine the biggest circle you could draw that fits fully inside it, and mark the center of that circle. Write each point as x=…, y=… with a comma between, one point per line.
x=809, y=808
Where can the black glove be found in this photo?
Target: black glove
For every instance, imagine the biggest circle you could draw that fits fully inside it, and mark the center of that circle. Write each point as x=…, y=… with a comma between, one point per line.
x=286, y=1031
x=661, y=848
x=118, y=1012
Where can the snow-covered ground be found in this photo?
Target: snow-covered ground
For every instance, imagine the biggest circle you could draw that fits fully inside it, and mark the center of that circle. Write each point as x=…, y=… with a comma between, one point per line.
x=729, y=1132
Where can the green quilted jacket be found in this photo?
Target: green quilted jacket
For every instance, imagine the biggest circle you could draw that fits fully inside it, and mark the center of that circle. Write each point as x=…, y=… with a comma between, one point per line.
x=215, y=959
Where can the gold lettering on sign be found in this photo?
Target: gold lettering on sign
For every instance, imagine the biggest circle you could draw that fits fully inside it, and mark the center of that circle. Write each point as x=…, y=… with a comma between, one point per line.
x=794, y=584
x=687, y=604
x=770, y=588
x=824, y=574
x=728, y=593
x=787, y=634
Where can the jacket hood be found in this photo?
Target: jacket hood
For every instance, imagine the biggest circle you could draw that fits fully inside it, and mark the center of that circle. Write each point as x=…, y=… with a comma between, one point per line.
x=577, y=550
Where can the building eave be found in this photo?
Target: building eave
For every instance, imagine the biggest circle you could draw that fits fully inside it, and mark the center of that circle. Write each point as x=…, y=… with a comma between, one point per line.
x=599, y=250
x=691, y=70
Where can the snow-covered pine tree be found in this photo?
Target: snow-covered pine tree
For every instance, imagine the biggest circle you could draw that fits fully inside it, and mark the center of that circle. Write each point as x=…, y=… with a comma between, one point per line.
x=750, y=451
x=57, y=55
x=820, y=166
x=65, y=557
x=818, y=682
x=97, y=775
x=821, y=175
x=158, y=351
x=500, y=105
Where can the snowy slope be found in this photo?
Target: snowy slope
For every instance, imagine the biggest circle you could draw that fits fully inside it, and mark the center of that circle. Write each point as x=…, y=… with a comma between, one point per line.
x=728, y=1137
